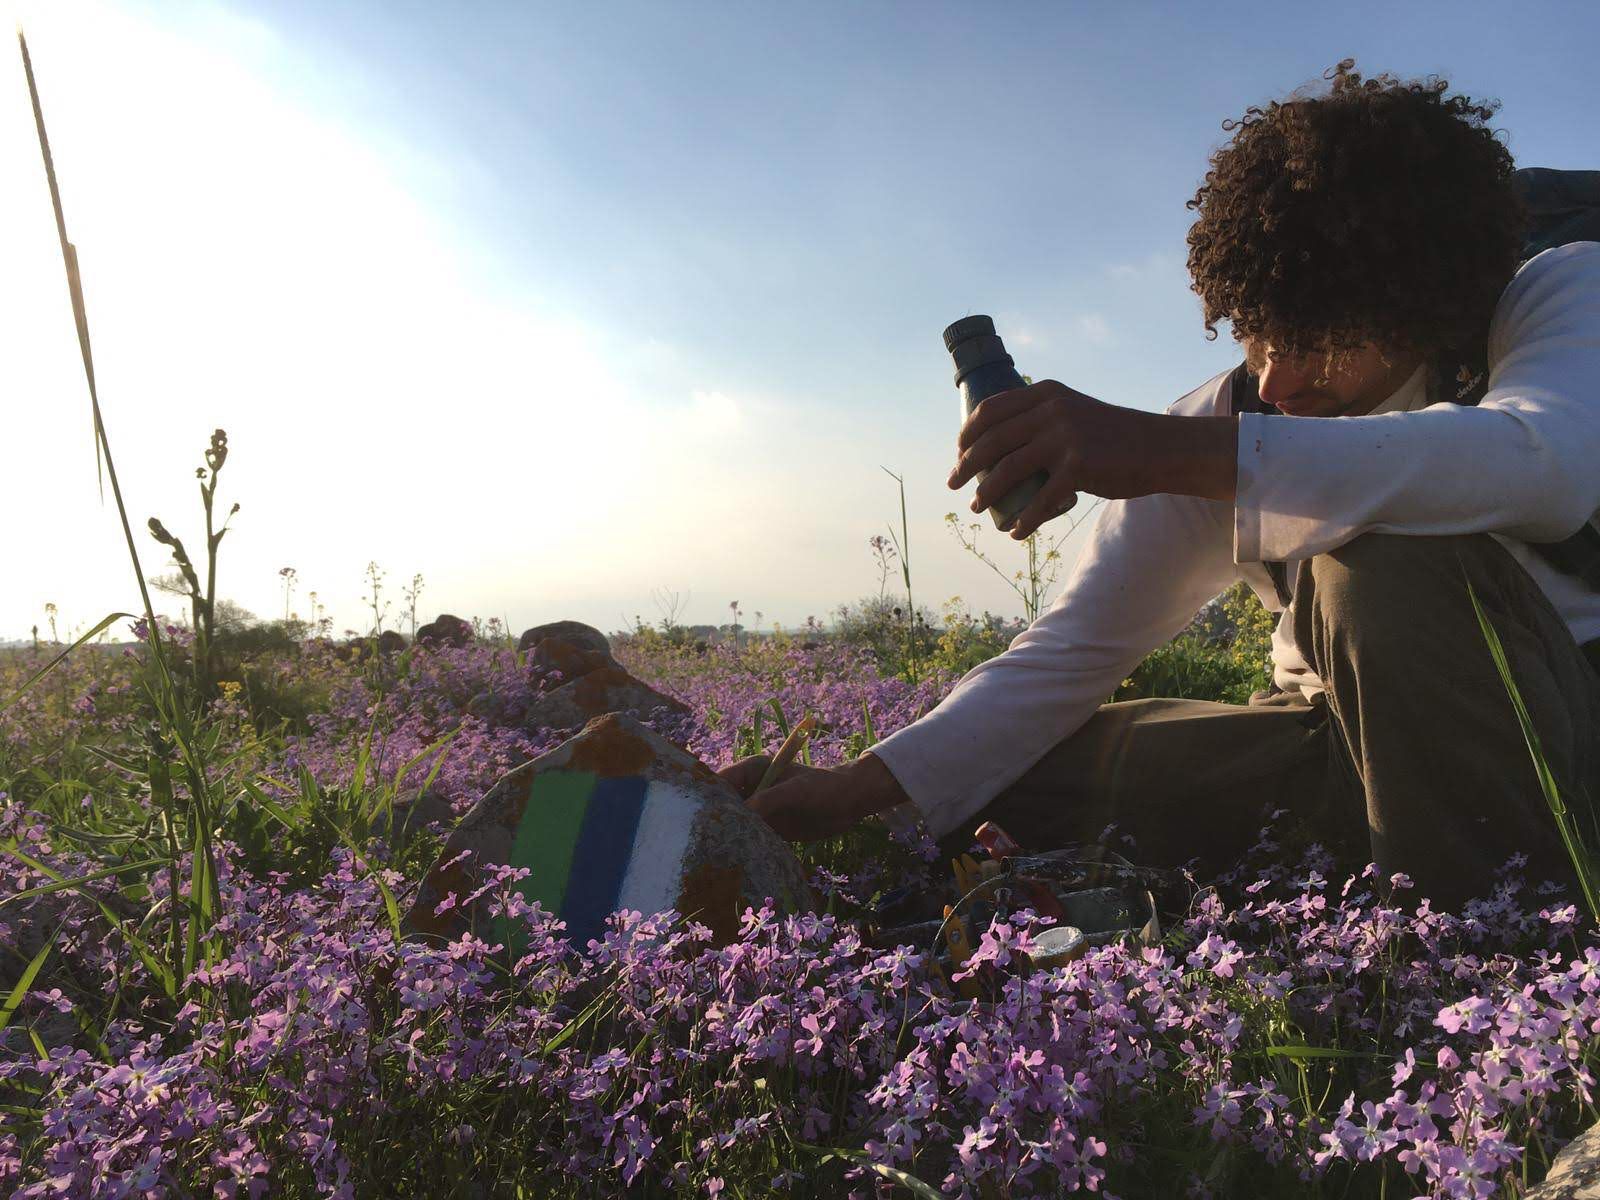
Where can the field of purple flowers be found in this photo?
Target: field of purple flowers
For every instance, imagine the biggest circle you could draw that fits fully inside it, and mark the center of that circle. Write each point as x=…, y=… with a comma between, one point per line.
x=204, y=989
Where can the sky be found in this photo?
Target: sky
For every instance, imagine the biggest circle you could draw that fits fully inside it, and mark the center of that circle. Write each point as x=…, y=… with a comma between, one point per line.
x=566, y=307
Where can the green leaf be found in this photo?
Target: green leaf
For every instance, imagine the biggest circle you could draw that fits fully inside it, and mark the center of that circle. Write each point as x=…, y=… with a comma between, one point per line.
x=1581, y=856
x=61, y=885
x=1304, y=1051
x=29, y=974
x=153, y=964
x=894, y=1174
x=568, y=1031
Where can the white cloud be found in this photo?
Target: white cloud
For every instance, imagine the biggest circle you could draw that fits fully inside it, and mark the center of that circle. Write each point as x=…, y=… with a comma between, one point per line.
x=1155, y=265
x=1095, y=329
x=254, y=264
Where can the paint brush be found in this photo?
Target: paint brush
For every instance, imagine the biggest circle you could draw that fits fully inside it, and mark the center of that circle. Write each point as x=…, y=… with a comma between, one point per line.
x=786, y=752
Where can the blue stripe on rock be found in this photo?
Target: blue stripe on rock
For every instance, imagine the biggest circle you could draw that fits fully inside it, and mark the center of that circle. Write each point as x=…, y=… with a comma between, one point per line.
x=600, y=858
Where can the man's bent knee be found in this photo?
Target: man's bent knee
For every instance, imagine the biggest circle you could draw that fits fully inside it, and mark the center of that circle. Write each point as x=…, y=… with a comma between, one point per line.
x=1386, y=579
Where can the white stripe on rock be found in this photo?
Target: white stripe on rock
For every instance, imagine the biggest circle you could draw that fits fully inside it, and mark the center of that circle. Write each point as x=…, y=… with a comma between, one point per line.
x=655, y=869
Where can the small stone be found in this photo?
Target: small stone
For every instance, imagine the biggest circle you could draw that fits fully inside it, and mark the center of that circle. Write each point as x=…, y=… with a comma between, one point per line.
x=585, y=637
x=391, y=642
x=445, y=630
x=414, y=811
x=1575, y=1174
x=614, y=818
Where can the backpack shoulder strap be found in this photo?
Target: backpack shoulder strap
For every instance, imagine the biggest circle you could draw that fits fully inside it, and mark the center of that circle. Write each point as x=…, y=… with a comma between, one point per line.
x=1563, y=206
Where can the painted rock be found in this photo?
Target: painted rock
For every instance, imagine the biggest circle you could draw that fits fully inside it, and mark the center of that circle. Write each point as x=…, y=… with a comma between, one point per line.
x=445, y=630
x=616, y=817
x=585, y=637
x=603, y=690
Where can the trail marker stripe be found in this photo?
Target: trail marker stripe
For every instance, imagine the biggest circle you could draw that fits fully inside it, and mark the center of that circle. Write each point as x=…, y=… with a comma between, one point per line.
x=655, y=870
x=600, y=859
x=548, y=834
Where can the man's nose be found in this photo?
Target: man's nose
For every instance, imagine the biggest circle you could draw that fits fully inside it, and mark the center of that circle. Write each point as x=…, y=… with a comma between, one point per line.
x=1284, y=377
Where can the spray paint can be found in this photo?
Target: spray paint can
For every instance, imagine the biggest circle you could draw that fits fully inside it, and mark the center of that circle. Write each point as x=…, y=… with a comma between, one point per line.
x=983, y=368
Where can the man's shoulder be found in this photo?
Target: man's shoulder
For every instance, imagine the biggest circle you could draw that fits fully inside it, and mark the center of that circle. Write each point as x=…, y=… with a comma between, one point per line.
x=1210, y=399
x=1556, y=285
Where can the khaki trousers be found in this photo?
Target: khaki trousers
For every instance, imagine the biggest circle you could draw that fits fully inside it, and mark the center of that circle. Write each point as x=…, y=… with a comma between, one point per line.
x=1412, y=759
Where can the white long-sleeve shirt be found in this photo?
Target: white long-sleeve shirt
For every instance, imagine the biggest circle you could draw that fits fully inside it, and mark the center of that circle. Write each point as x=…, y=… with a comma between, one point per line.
x=1524, y=465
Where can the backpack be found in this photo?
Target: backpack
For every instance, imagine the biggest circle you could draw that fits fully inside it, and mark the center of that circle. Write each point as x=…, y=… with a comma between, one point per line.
x=1563, y=206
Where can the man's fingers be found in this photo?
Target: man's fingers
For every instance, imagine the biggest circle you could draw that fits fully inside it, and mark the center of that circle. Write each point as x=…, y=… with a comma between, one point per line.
x=786, y=808
x=1008, y=472
x=996, y=410
x=745, y=774
x=1054, y=498
x=991, y=446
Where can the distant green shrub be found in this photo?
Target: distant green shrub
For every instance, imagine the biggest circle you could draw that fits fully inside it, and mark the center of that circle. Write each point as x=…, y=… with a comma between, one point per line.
x=1225, y=654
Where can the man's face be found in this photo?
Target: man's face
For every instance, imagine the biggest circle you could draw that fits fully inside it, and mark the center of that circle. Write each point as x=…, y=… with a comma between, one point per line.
x=1304, y=386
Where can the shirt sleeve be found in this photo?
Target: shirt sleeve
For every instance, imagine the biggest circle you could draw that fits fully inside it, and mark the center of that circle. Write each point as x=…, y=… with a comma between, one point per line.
x=1522, y=463
x=1149, y=565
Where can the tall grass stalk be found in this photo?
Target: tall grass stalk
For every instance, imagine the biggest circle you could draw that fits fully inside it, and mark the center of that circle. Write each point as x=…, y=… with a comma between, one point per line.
x=1582, y=856
x=902, y=545
x=204, y=899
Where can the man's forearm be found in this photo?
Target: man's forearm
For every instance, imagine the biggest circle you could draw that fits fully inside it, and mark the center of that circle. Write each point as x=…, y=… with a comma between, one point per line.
x=1191, y=456
x=874, y=786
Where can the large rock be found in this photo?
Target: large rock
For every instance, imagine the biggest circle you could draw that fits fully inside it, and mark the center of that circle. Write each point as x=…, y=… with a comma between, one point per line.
x=1575, y=1175
x=553, y=656
x=616, y=817
x=585, y=637
x=445, y=630
x=603, y=690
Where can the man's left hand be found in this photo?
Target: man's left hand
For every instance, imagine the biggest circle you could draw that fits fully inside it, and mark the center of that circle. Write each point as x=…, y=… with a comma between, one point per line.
x=1087, y=445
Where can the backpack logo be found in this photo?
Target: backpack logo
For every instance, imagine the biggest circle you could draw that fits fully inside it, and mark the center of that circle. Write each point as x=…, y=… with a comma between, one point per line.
x=1468, y=379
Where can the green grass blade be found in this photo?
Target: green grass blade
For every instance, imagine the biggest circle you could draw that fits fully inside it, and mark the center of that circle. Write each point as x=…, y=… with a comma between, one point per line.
x=58, y=659
x=867, y=725
x=1305, y=1051
x=1582, y=858
x=29, y=974
x=385, y=798
x=893, y=1174
x=153, y=964
x=67, y=884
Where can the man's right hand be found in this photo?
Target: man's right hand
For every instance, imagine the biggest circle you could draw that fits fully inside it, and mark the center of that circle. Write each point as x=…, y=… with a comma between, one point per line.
x=808, y=804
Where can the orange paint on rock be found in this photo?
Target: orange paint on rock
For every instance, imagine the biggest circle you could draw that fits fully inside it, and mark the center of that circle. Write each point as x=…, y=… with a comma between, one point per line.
x=574, y=662
x=712, y=895
x=609, y=750
x=592, y=692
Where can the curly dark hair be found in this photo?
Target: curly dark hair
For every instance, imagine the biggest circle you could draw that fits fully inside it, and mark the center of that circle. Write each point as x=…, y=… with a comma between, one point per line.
x=1382, y=211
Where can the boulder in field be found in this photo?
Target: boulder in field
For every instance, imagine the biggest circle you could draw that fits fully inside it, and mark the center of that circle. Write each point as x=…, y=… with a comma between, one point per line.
x=585, y=637
x=572, y=661
x=1575, y=1174
x=445, y=630
x=608, y=689
x=391, y=642
x=614, y=818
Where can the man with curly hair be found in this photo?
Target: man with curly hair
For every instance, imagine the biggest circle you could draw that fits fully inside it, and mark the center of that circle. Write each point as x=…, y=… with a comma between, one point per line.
x=1363, y=245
